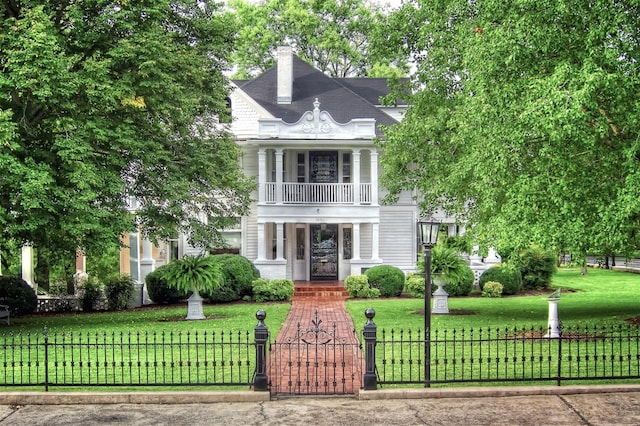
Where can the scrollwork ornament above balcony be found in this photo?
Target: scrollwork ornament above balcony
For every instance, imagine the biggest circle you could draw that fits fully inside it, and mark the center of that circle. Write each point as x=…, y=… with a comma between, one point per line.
x=317, y=124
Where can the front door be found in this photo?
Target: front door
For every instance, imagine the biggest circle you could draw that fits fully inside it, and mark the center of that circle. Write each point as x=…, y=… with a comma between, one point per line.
x=324, y=252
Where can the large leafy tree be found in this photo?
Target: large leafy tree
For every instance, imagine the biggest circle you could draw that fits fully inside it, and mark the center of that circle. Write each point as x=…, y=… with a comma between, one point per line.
x=332, y=35
x=101, y=100
x=524, y=119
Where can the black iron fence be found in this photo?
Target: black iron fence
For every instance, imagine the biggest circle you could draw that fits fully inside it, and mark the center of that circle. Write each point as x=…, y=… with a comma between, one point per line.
x=127, y=359
x=581, y=353
x=395, y=357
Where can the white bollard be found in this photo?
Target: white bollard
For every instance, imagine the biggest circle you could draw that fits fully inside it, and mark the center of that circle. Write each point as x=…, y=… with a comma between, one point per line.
x=553, y=324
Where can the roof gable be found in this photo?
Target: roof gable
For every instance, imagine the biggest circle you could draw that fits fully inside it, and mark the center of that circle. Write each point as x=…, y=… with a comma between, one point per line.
x=342, y=100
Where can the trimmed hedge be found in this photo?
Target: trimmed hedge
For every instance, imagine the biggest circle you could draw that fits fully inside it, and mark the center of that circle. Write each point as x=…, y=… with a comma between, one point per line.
x=388, y=279
x=239, y=274
x=158, y=289
x=18, y=295
x=278, y=290
x=358, y=286
x=462, y=284
x=504, y=274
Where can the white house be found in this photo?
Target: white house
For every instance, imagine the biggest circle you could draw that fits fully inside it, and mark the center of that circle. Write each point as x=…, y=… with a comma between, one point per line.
x=309, y=141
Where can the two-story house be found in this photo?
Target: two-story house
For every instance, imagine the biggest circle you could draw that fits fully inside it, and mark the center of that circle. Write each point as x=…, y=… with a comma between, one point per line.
x=309, y=141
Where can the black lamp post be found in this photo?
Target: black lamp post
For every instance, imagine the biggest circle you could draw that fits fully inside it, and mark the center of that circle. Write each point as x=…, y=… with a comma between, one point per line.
x=428, y=237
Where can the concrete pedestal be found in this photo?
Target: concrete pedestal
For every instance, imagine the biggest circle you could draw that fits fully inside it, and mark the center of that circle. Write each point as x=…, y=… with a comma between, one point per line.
x=440, y=298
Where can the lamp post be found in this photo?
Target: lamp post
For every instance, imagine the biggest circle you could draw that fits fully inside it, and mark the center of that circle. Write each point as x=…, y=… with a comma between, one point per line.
x=428, y=238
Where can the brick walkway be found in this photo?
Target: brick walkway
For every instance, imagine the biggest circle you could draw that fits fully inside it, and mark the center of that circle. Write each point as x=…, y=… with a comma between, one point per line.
x=317, y=351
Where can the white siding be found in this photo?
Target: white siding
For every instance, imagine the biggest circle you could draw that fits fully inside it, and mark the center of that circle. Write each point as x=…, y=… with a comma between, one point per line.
x=397, y=237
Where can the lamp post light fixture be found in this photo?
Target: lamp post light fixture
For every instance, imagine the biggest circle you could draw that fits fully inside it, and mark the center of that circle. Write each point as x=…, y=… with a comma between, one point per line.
x=428, y=237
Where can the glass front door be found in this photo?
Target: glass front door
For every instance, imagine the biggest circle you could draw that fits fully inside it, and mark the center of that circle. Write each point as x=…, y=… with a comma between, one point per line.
x=324, y=252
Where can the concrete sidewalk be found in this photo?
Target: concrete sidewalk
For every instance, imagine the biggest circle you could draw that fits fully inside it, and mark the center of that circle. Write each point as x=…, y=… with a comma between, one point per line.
x=531, y=405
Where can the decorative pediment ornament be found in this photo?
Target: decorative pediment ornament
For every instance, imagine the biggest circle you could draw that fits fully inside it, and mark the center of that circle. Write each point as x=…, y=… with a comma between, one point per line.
x=317, y=124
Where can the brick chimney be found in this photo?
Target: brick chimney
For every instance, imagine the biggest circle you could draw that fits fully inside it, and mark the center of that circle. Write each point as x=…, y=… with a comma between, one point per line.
x=285, y=75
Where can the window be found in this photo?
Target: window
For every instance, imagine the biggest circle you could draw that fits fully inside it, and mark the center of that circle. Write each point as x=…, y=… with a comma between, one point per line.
x=232, y=237
x=302, y=173
x=346, y=243
x=300, y=243
x=346, y=167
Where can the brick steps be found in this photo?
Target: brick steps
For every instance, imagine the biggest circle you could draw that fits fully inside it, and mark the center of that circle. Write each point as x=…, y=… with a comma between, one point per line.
x=333, y=291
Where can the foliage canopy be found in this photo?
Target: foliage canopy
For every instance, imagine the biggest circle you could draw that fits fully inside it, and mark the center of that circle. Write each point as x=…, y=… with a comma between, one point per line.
x=524, y=119
x=104, y=100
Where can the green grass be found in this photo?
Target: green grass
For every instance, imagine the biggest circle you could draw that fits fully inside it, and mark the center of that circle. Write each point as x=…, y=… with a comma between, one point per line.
x=223, y=317
x=601, y=296
x=149, y=348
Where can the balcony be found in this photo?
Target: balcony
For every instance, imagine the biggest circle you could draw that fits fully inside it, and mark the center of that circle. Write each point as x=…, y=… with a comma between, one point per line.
x=317, y=193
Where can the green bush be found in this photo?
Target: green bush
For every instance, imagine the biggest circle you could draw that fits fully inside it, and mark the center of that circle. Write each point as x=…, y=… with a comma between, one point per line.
x=492, y=289
x=537, y=266
x=358, y=286
x=415, y=285
x=278, y=290
x=239, y=274
x=506, y=275
x=89, y=294
x=159, y=291
x=18, y=295
x=118, y=290
x=388, y=279
x=460, y=284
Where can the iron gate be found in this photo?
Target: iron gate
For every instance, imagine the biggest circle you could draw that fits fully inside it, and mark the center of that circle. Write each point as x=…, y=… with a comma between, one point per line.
x=316, y=361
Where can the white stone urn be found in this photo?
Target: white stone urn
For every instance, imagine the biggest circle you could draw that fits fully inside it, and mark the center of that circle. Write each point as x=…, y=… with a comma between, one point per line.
x=195, y=310
x=440, y=296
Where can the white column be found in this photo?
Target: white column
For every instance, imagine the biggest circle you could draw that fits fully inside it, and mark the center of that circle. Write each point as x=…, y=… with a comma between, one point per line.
x=374, y=177
x=375, y=241
x=279, y=170
x=261, y=243
x=262, y=174
x=279, y=240
x=27, y=264
x=356, y=176
x=147, y=263
x=355, y=244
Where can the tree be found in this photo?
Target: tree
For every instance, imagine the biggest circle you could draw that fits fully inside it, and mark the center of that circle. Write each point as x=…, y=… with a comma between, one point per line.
x=523, y=122
x=332, y=35
x=106, y=100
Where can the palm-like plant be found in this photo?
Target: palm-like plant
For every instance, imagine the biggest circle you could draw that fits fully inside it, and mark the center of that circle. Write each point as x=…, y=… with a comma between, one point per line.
x=445, y=262
x=196, y=274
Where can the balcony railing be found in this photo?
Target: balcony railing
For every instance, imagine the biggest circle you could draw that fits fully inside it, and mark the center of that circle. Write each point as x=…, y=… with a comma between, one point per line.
x=317, y=193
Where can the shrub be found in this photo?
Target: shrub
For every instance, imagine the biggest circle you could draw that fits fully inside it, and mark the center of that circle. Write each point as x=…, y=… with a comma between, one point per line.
x=415, y=285
x=239, y=274
x=159, y=291
x=461, y=284
x=388, y=279
x=358, y=286
x=506, y=275
x=492, y=289
x=537, y=266
x=89, y=294
x=118, y=290
x=278, y=290
x=15, y=292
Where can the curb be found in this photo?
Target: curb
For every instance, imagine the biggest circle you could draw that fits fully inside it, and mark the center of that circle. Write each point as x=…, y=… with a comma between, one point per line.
x=493, y=392
x=73, y=398
x=206, y=397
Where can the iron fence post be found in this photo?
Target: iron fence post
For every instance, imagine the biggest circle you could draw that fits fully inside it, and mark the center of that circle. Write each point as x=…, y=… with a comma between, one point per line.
x=45, y=334
x=261, y=380
x=370, y=381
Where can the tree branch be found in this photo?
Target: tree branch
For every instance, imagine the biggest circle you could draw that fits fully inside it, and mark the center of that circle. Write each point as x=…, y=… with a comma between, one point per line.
x=11, y=9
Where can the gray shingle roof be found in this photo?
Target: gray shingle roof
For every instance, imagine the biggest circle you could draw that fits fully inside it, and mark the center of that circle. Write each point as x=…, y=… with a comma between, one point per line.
x=344, y=99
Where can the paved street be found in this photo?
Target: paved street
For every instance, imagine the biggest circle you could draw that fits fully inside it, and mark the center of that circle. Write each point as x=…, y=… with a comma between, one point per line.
x=616, y=408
